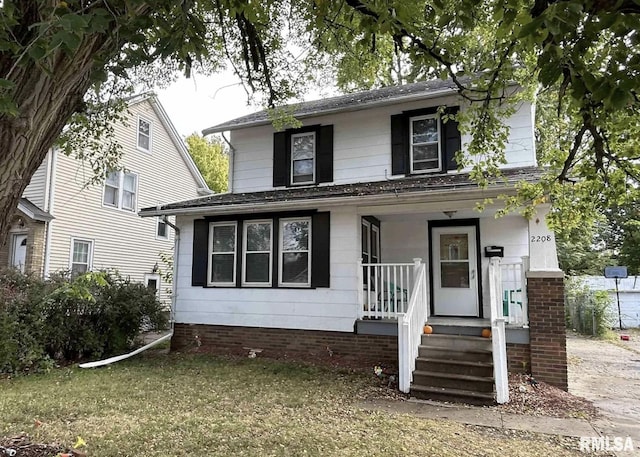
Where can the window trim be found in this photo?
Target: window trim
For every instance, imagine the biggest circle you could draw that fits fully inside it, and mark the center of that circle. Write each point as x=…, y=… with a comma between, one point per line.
x=120, y=189
x=435, y=116
x=148, y=121
x=245, y=225
x=281, y=251
x=160, y=220
x=315, y=155
x=210, y=281
x=90, y=242
x=157, y=278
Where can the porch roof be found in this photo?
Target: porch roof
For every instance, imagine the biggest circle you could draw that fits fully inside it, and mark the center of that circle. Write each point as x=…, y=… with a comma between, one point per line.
x=32, y=211
x=422, y=185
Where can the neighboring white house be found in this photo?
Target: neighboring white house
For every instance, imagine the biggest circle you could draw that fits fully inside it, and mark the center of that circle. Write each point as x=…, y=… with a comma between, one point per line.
x=63, y=225
x=333, y=231
x=628, y=292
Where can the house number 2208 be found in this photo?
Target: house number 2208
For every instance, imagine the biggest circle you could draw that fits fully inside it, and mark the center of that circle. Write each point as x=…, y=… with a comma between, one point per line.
x=540, y=238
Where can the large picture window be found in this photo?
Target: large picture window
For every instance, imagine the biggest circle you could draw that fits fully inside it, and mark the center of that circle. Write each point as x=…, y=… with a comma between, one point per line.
x=425, y=143
x=257, y=253
x=222, y=236
x=295, y=258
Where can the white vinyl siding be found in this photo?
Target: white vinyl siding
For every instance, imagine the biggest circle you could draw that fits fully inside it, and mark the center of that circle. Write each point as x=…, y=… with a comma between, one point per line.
x=222, y=253
x=144, y=134
x=80, y=256
x=362, y=144
x=295, y=252
x=257, y=252
x=123, y=240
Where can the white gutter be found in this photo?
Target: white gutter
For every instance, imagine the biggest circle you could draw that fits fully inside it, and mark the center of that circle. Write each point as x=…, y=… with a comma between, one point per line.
x=49, y=207
x=176, y=251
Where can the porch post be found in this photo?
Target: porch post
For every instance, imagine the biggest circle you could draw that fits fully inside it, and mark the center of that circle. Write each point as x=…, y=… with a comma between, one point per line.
x=359, y=287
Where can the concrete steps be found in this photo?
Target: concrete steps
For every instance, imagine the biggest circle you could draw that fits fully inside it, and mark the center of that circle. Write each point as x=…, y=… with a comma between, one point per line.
x=453, y=367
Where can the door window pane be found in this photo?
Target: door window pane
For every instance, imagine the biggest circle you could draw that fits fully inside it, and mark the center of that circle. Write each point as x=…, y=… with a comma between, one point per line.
x=454, y=246
x=454, y=274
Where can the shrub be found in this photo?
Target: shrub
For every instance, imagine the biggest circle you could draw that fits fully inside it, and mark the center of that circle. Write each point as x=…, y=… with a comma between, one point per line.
x=93, y=315
x=587, y=311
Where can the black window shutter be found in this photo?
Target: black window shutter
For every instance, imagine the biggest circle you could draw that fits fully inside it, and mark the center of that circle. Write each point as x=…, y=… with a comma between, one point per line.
x=324, y=156
x=320, y=228
x=452, y=141
x=200, y=252
x=280, y=160
x=399, y=144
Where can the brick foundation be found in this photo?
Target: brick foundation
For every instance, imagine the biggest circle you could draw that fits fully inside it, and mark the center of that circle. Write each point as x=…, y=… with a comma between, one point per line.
x=547, y=332
x=367, y=350
x=518, y=358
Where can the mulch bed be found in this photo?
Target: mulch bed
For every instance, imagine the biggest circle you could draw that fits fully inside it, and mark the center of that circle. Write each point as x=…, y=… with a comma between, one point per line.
x=23, y=447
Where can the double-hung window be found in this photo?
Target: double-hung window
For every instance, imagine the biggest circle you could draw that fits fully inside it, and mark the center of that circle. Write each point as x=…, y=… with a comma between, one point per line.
x=81, y=253
x=222, y=267
x=257, y=248
x=424, y=134
x=162, y=232
x=295, y=255
x=144, y=135
x=120, y=189
x=303, y=154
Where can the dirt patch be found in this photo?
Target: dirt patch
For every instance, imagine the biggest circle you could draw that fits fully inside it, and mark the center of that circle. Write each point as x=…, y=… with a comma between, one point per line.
x=23, y=447
x=608, y=373
x=536, y=398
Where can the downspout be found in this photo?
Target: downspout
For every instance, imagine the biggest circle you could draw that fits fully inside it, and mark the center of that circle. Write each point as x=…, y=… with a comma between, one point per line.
x=49, y=207
x=176, y=250
x=232, y=154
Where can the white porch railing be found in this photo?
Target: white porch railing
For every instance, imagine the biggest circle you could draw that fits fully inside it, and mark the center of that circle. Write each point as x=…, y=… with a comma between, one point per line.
x=498, y=337
x=514, y=292
x=410, y=327
x=385, y=290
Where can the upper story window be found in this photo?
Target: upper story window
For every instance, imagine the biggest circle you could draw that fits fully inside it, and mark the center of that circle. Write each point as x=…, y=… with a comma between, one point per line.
x=424, y=135
x=120, y=190
x=424, y=141
x=303, y=154
x=144, y=134
x=81, y=256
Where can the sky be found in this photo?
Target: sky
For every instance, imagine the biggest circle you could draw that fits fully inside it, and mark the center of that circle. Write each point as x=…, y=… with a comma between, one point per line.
x=200, y=102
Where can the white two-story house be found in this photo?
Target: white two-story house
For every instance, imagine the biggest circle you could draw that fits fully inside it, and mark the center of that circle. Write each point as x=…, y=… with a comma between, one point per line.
x=63, y=224
x=346, y=235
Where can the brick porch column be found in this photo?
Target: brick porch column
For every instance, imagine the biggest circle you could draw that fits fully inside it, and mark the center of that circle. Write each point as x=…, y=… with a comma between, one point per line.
x=547, y=332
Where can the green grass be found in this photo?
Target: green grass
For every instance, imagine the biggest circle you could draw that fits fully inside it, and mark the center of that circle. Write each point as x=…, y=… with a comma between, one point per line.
x=199, y=405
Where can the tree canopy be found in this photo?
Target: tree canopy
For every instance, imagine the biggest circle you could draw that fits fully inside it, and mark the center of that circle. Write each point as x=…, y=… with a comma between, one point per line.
x=212, y=161
x=584, y=54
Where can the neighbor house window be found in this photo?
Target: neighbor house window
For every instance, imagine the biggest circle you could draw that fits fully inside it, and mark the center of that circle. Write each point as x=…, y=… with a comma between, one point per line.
x=424, y=134
x=81, y=256
x=222, y=239
x=162, y=230
x=152, y=281
x=303, y=153
x=120, y=189
x=295, y=256
x=144, y=135
x=257, y=248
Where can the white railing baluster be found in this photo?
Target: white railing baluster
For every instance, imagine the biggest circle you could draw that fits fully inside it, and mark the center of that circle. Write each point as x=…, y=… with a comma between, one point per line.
x=361, y=310
x=498, y=337
x=385, y=289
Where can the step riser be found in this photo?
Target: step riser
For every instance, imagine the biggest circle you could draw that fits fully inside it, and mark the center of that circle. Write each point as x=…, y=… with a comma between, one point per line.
x=461, y=384
x=456, y=342
x=451, y=398
x=457, y=330
x=437, y=367
x=445, y=354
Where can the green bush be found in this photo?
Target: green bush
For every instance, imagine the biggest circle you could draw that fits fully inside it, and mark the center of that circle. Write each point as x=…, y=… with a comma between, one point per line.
x=587, y=311
x=93, y=315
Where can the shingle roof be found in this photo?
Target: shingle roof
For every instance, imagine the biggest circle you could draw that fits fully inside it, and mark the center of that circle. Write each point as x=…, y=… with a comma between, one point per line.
x=406, y=186
x=349, y=102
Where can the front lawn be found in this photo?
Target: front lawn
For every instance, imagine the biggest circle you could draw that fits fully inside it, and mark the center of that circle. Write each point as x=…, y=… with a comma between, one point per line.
x=197, y=405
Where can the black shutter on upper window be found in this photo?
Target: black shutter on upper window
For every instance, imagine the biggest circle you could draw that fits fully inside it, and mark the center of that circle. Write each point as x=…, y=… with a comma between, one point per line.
x=281, y=164
x=452, y=141
x=200, y=252
x=324, y=165
x=399, y=144
x=320, y=235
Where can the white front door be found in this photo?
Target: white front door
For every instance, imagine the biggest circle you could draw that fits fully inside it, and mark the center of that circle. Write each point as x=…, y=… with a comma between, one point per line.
x=455, y=275
x=19, y=251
